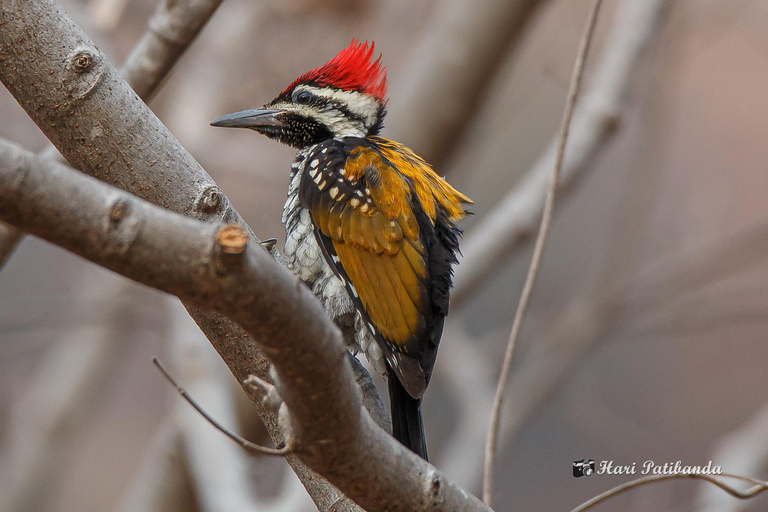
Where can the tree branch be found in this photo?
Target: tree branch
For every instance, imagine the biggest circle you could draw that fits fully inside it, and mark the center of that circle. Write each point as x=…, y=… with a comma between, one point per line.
x=98, y=123
x=217, y=267
x=509, y=227
x=171, y=30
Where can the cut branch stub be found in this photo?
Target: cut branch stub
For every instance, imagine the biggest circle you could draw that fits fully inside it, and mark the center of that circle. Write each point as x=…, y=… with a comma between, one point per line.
x=210, y=200
x=231, y=241
x=87, y=73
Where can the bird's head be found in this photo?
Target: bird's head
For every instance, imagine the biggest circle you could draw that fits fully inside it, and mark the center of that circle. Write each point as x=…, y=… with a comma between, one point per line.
x=343, y=98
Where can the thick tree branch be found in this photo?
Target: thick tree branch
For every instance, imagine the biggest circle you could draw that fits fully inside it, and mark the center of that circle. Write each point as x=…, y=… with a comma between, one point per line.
x=216, y=267
x=99, y=124
x=171, y=30
x=510, y=225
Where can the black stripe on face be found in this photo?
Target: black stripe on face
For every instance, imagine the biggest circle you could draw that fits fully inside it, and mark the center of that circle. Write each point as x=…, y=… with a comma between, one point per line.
x=296, y=131
x=327, y=105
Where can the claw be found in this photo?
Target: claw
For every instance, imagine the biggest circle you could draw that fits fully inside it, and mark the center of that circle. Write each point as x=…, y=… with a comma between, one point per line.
x=269, y=243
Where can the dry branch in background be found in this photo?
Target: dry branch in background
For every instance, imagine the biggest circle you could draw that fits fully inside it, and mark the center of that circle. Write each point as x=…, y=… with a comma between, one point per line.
x=538, y=250
x=60, y=394
x=171, y=29
x=217, y=267
x=97, y=122
x=506, y=229
x=162, y=482
x=451, y=66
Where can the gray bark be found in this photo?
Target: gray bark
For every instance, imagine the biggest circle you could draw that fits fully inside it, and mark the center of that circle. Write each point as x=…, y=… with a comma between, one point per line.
x=219, y=267
x=171, y=30
x=101, y=126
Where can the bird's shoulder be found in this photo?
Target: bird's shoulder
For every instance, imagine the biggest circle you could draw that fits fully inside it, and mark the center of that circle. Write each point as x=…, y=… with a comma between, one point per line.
x=385, y=175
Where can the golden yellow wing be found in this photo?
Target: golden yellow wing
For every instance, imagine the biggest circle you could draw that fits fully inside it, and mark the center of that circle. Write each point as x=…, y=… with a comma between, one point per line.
x=371, y=222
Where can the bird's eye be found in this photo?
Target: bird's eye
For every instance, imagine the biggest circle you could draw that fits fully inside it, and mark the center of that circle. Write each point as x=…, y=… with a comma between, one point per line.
x=302, y=97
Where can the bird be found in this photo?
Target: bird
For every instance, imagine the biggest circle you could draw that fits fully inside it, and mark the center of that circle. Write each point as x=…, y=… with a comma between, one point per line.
x=371, y=228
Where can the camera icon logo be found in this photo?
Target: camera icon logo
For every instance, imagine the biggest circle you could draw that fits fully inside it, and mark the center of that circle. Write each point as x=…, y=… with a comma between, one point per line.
x=584, y=467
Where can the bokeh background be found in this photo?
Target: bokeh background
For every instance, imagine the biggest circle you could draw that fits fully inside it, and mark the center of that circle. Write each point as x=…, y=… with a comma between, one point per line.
x=646, y=336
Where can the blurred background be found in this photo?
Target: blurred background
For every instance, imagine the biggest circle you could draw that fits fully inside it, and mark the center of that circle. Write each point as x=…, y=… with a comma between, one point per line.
x=646, y=336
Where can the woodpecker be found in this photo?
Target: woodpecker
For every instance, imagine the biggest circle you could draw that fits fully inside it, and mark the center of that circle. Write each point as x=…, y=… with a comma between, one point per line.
x=370, y=227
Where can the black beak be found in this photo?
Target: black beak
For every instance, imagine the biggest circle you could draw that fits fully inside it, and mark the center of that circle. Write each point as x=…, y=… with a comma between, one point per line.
x=252, y=118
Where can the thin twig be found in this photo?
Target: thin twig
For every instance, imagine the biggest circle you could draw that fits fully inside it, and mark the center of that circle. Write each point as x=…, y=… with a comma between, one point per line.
x=758, y=487
x=243, y=443
x=509, y=227
x=546, y=220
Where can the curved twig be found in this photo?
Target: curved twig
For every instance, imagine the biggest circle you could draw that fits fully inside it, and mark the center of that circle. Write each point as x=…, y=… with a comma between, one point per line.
x=757, y=488
x=546, y=220
x=242, y=442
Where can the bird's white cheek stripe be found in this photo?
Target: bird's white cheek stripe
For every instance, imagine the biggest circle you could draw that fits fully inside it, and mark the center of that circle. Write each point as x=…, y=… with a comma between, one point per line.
x=358, y=103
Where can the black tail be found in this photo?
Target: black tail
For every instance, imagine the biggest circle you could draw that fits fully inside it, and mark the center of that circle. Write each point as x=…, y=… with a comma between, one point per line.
x=407, y=426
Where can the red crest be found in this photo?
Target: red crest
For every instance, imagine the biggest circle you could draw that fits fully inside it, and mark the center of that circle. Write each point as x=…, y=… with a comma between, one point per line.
x=353, y=69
